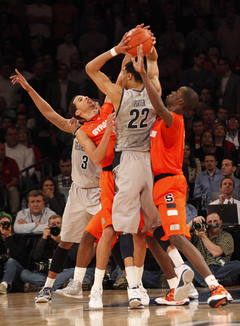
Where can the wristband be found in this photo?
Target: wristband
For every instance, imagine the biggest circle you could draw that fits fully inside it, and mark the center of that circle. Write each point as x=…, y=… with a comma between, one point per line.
x=113, y=52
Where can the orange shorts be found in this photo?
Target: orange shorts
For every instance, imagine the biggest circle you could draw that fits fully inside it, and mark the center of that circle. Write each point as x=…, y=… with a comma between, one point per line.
x=169, y=195
x=104, y=217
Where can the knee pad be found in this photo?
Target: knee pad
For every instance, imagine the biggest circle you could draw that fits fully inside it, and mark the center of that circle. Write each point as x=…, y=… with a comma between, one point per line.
x=126, y=245
x=158, y=234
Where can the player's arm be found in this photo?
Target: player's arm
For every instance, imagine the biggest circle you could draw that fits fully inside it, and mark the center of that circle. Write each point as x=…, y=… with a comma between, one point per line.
x=153, y=71
x=154, y=96
x=42, y=105
x=114, y=91
x=96, y=153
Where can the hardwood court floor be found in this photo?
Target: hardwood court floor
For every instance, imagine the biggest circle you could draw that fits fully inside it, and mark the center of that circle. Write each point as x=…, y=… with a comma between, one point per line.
x=21, y=310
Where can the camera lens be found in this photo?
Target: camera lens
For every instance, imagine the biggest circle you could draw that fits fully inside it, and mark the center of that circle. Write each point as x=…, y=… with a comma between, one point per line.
x=55, y=230
x=5, y=225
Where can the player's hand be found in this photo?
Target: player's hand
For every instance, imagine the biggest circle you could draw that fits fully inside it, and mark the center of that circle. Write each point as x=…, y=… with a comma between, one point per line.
x=73, y=121
x=138, y=64
x=110, y=123
x=122, y=46
x=20, y=80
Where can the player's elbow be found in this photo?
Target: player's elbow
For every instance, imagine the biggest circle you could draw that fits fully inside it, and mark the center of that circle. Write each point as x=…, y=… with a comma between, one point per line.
x=88, y=68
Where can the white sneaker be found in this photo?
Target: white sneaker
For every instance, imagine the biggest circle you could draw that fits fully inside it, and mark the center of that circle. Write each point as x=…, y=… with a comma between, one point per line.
x=3, y=288
x=185, y=276
x=143, y=295
x=96, y=299
x=134, y=298
x=193, y=292
x=72, y=290
x=169, y=300
x=45, y=295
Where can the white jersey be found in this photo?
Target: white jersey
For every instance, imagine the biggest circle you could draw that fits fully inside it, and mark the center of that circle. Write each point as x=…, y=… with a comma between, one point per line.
x=135, y=118
x=85, y=173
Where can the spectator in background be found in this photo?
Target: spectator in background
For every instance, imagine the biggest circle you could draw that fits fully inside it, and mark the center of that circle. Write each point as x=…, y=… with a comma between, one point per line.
x=228, y=37
x=174, y=42
x=169, y=71
x=228, y=169
x=212, y=61
x=194, y=166
x=209, y=175
x=77, y=74
x=7, y=90
x=207, y=147
x=64, y=14
x=5, y=123
x=20, y=66
x=197, y=131
x=228, y=87
x=9, y=177
x=199, y=109
x=54, y=199
x=13, y=256
x=199, y=39
x=64, y=178
x=61, y=91
x=222, y=115
x=50, y=71
x=233, y=130
x=34, y=278
x=66, y=49
x=92, y=40
x=198, y=77
x=34, y=218
x=39, y=17
x=22, y=155
x=206, y=97
x=209, y=117
x=217, y=247
x=4, y=112
x=219, y=132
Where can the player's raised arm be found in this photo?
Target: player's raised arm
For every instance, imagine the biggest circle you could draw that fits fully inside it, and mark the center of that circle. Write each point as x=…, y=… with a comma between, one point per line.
x=153, y=94
x=103, y=82
x=42, y=105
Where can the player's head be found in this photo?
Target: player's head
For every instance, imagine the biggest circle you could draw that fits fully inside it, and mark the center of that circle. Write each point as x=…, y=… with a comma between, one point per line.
x=82, y=108
x=130, y=75
x=185, y=99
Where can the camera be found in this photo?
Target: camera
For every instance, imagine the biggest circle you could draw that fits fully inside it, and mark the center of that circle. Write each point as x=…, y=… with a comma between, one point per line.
x=36, y=267
x=202, y=226
x=5, y=225
x=55, y=230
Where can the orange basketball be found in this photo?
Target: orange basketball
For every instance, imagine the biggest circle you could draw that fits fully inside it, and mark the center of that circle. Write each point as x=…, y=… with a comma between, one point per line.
x=139, y=36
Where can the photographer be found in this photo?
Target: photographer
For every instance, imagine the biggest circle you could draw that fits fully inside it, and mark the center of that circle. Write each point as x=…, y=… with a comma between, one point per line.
x=216, y=246
x=13, y=256
x=35, y=276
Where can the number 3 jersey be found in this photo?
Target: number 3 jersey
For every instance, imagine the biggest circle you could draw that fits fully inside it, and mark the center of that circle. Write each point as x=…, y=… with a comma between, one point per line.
x=135, y=118
x=95, y=129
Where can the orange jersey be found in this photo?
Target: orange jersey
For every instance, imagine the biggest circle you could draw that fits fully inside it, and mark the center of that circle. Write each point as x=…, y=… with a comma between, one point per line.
x=95, y=129
x=167, y=146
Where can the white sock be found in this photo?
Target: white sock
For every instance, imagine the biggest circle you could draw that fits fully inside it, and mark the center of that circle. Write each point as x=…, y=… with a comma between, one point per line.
x=79, y=273
x=131, y=278
x=176, y=257
x=98, y=278
x=49, y=282
x=5, y=284
x=211, y=280
x=138, y=274
x=172, y=282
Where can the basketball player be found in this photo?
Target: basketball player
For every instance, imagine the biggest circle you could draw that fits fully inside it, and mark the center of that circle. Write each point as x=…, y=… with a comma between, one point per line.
x=169, y=192
x=83, y=200
x=132, y=165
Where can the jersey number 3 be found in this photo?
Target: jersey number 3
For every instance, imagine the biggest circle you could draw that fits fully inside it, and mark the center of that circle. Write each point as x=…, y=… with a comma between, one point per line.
x=84, y=162
x=136, y=113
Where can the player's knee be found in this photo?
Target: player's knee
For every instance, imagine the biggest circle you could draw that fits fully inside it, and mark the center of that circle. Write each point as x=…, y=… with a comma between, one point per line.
x=87, y=238
x=177, y=240
x=108, y=233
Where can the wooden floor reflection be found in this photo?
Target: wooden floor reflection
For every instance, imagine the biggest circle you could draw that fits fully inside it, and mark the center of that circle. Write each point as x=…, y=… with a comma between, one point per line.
x=20, y=309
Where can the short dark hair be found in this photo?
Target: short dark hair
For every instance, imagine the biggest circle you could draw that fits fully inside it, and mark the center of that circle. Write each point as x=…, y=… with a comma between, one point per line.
x=227, y=61
x=190, y=97
x=197, y=119
x=210, y=154
x=232, y=159
x=129, y=67
x=73, y=109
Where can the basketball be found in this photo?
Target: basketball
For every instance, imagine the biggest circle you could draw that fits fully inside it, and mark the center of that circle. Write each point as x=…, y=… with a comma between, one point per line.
x=139, y=36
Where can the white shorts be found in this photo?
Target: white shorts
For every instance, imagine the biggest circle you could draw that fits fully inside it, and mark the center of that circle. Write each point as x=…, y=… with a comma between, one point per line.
x=134, y=185
x=82, y=205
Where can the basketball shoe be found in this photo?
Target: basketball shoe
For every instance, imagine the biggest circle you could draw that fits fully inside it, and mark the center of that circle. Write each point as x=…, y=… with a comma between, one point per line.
x=72, y=290
x=170, y=301
x=219, y=296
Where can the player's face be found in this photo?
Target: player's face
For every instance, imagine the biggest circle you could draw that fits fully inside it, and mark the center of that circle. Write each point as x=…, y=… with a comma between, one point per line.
x=173, y=98
x=84, y=105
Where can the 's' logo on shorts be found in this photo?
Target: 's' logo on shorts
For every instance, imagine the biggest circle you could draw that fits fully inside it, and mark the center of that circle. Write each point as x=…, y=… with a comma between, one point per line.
x=169, y=198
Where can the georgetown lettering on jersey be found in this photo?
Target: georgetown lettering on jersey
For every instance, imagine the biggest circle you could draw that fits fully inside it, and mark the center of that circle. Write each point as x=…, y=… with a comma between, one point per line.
x=139, y=102
x=78, y=147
